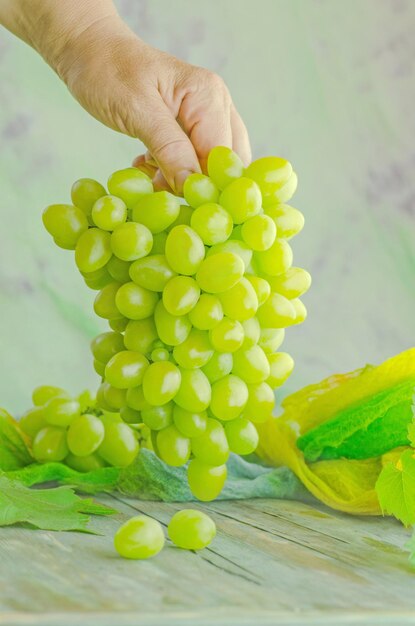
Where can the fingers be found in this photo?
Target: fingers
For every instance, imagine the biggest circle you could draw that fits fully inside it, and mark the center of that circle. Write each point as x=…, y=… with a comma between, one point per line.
x=240, y=138
x=145, y=164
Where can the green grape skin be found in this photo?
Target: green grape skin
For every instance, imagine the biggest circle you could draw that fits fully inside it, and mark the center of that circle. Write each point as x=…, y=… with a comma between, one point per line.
x=32, y=421
x=284, y=193
x=191, y=530
x=93, y=250
x=206, y=481
x=126, y=369
x=99, y=368
x=207, y=312
x=161, y=382
x=194, y=393
x=259, y=232
x=139, y=538
x=43, y=393
x=195, y=351
x=270, y=173
x=105, y=345
x=65, y=223
x=212, y=223
x=224, y=166
x=251, y=365
x=130, y=416
x=158, y=417
x=261, y=401
x=184, y=250
x=188, y=423
x=261, y=286
x=119, y=446
x=239, y=248
x=119, y=324
x=135, y=399
x=131, y=241
x=219, y=365
x=180, y=295
x=220, y=272
x=115, y=398
x=160, y=354
x=104, y=303
x=300, y=311
x=159, y=243
x=211, y=447
x=276, y=260
x=227, y=336
x=292, y=283
x=271, y=339
x=109, y=212
x=185, y=214
x=152, y=272
x=84, y=463
x=242, y=436
x=288, y=220
x=199, y=189
x=172, y=447
x=135, y=302
x=118, y=269
x=252, y=332
x=99, y=279
x=157, y=211
x=281, y=366
x=277, y=312
x=140, y=335
x=85, y=192
x=171, y=329
x=130, y=185
x=242, y=199
x=229, y=397
x=50, y=445
x=85, y=435
x=101, y=402
x=87, y=400
x=61, y=410
x=240, y=302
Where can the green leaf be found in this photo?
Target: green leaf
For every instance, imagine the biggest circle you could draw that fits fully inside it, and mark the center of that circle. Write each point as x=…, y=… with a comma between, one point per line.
x=102, y=479
x=47, y=509
x=14, y=452
x=411, y=427
x=395, y=488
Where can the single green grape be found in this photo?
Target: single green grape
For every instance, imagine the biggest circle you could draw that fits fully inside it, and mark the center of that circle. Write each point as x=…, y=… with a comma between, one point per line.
x=252, y=332
x=65, y=223
x=93, y=250
x=191, y=530
x=292, y=283
x=158, y=417
x=135, y=302
x=240, y=302
x=152, y=272
x=172, y=447
x=300, y=311
x=84, y=463
x=126, y=369
x=101, y=402
x=180, y=295
x=157, y=211
x=119, y=324
x=242, y=436
x=227, y=336
x=220, y=272
x=270, y=339
x=130, y=416
x=195, y=351
x=87, y=400
x=242, y=199
x=211, y=447
x=135, y=399
x=32, y=421
x=171, y=329
x=199, y=189
x=42, y=394
x=277, y=312
x=104, y=303
x=105, y=345
x=159, y=243
x=229, y=397
x=219, y=365
x=85, y=435
x=131, y=241
x=282, y=194
x=276, y=260
x=109, y=212
x=212, y=223
x=188, y=423
x=99, y=279
x=207, y=312
x=50, y=445
x=85, y=192
x=206, y=481
x=239, y=248
x=261, y=286
x=99, y=368
x=120, y=446
x=130, y=185
x=161, y=382
x=289, y=221
x=61, y=410
x=184, y=250
x=281, y=365
x=114, y=397
x=160, y=354
x=118, y=269
x=259, y=232
x=224, y=166
x=261, y=401
x=251, y=364
x=195, y=392
x=270, y=173
x=184, y=216
x=139, y=538
x=140, y=335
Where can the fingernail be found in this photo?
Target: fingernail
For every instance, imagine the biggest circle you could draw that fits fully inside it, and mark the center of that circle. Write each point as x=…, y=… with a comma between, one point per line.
x=179, y=180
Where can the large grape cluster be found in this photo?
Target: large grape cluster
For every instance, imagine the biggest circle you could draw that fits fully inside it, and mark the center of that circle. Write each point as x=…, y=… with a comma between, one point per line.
x=197, y=297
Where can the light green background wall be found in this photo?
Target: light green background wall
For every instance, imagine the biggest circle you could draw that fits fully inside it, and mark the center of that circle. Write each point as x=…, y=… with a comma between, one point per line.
x=329, y=84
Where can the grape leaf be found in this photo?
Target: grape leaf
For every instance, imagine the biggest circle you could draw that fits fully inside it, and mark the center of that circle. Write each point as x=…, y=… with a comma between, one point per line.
x=14, y=452
x=48, y=509
x=395, y=488
x=411, y=427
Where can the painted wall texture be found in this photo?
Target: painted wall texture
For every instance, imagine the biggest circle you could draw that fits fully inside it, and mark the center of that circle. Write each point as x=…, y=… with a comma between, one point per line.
x=328, y=84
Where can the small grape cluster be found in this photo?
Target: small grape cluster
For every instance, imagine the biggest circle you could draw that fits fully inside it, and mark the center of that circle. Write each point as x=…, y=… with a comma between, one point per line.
x=197, y=297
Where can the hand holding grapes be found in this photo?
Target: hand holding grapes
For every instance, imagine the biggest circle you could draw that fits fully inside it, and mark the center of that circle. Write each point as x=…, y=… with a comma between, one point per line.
x=178, y=110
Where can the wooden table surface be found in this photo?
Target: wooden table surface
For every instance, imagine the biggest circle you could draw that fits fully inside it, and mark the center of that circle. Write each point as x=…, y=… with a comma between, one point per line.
x=272, y=562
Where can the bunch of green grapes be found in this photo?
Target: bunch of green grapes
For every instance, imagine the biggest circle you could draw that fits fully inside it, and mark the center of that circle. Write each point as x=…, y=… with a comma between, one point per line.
x=77, y=432
x=197, y=297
